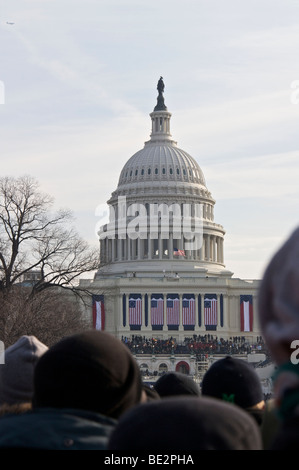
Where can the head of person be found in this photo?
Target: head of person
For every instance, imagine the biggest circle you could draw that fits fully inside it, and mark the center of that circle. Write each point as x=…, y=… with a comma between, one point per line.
x=17, y=371
x=235, y=380
x=150, y=393
x=278, y=307
x=185, y=423
x=93, y=371
x=176, y=383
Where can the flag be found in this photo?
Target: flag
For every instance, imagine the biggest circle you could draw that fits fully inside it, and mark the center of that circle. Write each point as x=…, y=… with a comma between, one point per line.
x=188, y=311
x=210, y=310
x=135, y=310
x=246, y=313
x=173, y=310
x=177, y=252
x=98, y=312
x=157, y=310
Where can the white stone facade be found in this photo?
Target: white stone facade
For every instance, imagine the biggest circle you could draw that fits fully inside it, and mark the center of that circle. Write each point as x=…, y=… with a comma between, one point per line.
x=168, y=287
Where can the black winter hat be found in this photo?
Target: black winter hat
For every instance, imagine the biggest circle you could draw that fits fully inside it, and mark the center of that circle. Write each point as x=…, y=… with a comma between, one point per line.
x=185, y=423
x=92, y=371
x=233, y=380
x=176, y=383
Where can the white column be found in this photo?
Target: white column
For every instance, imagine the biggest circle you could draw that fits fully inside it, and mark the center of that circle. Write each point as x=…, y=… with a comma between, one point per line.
x=202, y=250
x=170, y=246
x=140, y=248
x=113, y=250
x=150, y=247
x=120, y=251
x=107, y=249
x=160, y=245
x=211, y=247
x=215, y=249
x=128, y=248
x=208, y=247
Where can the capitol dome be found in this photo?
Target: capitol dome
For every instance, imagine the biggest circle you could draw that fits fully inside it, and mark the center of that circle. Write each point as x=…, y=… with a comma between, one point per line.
x=161, y=174
x=159, y=162
x=161, y=166
x=162, y=273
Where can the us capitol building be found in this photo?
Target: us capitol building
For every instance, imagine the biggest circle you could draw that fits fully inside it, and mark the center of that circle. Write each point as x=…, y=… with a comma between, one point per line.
x=154, y=282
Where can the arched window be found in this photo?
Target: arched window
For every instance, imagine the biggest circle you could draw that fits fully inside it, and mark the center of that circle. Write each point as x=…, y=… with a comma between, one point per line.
x=144, y=368
x=182, y=367
x=163, y=368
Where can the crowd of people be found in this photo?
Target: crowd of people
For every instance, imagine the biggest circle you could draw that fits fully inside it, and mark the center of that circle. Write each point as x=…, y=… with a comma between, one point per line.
x=86, y=391
x=197, y=344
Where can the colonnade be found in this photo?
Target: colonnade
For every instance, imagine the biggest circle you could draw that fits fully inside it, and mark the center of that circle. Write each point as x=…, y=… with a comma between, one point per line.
x=128, y=249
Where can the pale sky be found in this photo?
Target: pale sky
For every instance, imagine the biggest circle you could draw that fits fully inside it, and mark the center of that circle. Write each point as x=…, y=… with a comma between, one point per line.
x=80, y=81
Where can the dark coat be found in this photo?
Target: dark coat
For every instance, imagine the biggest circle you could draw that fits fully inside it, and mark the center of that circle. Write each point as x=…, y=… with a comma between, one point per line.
x=55, y=429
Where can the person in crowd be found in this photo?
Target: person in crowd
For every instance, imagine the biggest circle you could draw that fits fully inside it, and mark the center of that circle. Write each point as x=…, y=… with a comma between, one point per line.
x=82, y=385
x=235, y=380
x=185, y=423
x=278, y=306
x=16, y=374
x=150, y=392
x=176, y=383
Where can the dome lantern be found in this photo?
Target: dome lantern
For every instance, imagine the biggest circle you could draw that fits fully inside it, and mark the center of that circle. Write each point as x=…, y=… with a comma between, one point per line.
x=160, y=119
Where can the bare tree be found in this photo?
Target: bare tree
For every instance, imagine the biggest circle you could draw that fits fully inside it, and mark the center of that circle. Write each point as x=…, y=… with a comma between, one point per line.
x=49, y=315
x=33, y=236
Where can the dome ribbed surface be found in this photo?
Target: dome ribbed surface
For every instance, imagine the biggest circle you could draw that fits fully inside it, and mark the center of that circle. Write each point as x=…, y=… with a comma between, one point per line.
x=161, y=162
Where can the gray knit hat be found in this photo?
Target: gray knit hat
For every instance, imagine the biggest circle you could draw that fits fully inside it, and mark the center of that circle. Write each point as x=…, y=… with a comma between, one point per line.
x=16, y=374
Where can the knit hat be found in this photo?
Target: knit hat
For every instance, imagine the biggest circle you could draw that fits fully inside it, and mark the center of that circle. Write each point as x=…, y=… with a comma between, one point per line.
x=279, y=300
x=16, y=374
x=185, y=423
x=176, y=383
x=233, y=380
x=91, y=371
